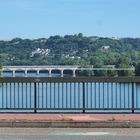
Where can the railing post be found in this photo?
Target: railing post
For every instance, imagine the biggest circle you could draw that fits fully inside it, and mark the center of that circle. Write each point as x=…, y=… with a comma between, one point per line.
x=133, y=97
x=83, y=97
x=35, y=98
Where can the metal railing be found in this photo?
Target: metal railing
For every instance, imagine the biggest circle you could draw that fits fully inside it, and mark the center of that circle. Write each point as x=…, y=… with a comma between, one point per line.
x=91, y=94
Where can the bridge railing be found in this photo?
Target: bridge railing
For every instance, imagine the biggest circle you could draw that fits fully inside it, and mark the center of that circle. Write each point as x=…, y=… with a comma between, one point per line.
x=83, y=94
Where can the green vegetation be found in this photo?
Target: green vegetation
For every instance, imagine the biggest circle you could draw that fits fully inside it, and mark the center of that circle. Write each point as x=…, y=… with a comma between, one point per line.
x=0, y=70
x=137, y=69
x=74, y=50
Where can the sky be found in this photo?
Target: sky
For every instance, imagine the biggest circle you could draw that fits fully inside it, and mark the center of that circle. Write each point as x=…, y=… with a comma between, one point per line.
x=43, y=18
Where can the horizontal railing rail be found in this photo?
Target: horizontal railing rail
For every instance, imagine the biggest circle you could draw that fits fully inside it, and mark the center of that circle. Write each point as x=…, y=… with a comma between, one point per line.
x=79, y=94
x=70, y=79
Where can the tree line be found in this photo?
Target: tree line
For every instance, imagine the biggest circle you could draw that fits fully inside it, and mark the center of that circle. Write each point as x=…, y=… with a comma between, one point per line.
x=75, y=49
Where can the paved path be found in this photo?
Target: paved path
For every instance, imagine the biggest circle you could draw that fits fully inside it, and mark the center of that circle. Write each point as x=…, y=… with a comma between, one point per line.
x=69, y=117
x=68, y=134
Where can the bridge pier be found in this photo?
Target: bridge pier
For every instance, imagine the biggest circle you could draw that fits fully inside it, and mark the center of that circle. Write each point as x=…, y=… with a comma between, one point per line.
x=74, y=73
x=25, y=73
x=50, y=72
x=13, y=73
x=62, y=73
x=37, y=72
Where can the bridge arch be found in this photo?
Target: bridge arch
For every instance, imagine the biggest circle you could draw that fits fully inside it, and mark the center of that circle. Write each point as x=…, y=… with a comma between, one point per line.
x=56, y=71
x=68, y=72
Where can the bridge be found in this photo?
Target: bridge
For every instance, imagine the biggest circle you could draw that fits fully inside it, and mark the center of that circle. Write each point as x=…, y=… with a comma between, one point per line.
x=48, y=68
x=60, y=68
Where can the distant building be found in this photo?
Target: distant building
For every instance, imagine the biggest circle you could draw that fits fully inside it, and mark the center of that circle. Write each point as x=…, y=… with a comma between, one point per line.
x=40, y=51
x=105, y=47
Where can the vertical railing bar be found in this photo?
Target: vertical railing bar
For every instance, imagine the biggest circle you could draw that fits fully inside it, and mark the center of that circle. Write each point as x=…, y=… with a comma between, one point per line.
x=83, y=97
x=54, y=95
x=6, y=95
x=38, y=93
x=35, y=97
x=91, y=94
x=42, y=84
x=46, y=94
x=14, y=96
x=136, y=95
x=124, y=95
x=120, y=95
x=22, y=95
x=10, y=96
x=58, y=95
x=70, y=95
x=95, y=93
x=112, y=94
x=128, y=94
x=30, y=95
x=99, y=95
x=2, y=95
x=74, y=95
x=87, y=94
x=26, y=96
x=103, y=96
x=50, y=95
x=66, y=95
x=18, y=96
x=108, y=94
x=116, y=95
x=62, y=95
x=78, y=95
x=133, y=106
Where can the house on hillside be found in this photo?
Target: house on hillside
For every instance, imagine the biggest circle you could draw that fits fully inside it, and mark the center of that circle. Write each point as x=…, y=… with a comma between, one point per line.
x=105, y=47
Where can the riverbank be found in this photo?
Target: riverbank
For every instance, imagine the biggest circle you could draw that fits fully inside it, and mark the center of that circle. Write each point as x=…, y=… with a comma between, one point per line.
x=70, y=120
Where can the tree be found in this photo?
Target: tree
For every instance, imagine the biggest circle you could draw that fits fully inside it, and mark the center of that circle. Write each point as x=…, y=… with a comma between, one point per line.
x=112, y=73
x=0, y=70
x=137, y=69
x=124, y=62
x=80, y=35
x=86, y=72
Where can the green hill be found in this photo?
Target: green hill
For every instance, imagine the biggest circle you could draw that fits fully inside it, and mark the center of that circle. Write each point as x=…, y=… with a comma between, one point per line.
x=71, y=49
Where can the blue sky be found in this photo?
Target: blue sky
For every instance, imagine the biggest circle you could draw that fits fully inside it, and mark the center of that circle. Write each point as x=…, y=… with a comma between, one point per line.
x=43, y=18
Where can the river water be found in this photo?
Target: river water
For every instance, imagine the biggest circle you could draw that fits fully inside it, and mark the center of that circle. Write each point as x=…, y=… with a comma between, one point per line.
x=68, y=95
x=32, y=74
